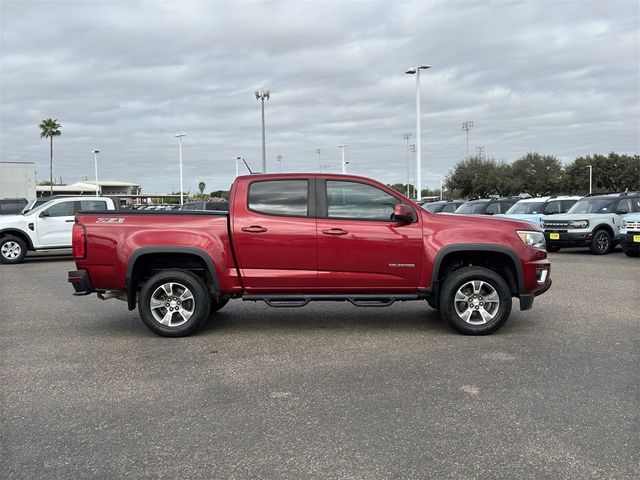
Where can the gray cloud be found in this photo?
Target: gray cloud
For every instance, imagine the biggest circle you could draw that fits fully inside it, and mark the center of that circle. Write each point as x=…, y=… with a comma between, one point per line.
x=556, y=77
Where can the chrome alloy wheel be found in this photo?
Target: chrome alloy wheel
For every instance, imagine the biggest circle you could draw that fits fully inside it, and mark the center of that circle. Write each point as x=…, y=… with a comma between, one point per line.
x=172, y=304
x=11, y=250
x=477, y=302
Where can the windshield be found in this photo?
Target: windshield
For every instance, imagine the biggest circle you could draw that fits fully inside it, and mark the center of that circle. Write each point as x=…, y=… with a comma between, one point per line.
x=593, y=205
x=472, y=207
x=526, y=207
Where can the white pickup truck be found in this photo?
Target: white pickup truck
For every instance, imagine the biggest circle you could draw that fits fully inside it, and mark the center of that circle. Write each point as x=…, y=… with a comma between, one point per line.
x=46, y=227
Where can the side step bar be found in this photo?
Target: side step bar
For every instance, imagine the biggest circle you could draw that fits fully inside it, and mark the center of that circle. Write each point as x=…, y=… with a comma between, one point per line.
x=364, y=300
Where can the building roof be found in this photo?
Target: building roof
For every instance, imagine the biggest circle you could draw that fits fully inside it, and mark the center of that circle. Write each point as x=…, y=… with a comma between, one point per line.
x=85, y=186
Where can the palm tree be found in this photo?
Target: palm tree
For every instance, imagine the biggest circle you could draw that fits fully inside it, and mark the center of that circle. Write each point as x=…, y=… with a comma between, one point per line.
x=50, y=128
x=202, y=186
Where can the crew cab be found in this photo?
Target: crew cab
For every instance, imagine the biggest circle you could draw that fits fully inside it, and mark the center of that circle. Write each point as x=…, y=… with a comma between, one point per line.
x=593, y=221
x=47, y=226
x=290, y=239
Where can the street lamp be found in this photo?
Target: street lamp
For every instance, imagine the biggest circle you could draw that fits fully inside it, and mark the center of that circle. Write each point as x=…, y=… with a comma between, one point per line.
x=279, y=158
x=237, y=159
x=179, y=137
x=590, y=177
x=466, y=126
x=95, y=164
x=416, y=71
x=344, y=163
x=261, y=95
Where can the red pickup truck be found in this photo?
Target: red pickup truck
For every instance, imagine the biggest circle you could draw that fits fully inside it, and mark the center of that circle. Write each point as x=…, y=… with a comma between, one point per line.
x=294, y=238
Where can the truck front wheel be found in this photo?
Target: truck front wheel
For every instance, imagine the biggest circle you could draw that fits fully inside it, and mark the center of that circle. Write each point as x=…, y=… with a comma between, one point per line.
x=174, y=303
x=475, y=300
x=12, y=249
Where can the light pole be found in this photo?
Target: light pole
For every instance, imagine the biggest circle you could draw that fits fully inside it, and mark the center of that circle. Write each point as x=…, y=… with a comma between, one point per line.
x=466, y=126
x=407, y=136
x=344, y=163
x=179, y=137
x=590, y=177
x=480, y=151
x=95, y=164
x=261, y=95
x=416, y=71
x=237, y=159
x=319, y=152
x=412, y=147
x=279, y=158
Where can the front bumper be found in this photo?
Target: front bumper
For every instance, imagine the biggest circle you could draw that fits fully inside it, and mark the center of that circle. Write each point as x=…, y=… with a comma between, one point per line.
x=562, y=238
x=80, y=281
x=630, y=242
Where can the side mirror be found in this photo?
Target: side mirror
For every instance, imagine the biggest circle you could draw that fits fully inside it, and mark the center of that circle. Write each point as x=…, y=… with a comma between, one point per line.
x=44, y=214
x=621, y=212
x=402, y=213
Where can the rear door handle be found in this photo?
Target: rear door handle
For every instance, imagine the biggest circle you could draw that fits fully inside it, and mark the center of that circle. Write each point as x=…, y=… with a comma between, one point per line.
x=335, y=231
x=254, y=229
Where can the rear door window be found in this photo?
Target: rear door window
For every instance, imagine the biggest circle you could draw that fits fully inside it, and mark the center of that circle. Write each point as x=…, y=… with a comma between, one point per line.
x=89, y=205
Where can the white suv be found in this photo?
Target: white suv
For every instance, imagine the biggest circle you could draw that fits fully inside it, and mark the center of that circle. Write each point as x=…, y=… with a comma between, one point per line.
x=46, y=227
x=592, y=222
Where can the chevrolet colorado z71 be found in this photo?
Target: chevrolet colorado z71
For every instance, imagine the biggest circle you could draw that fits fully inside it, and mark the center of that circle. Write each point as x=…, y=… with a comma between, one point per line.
x=294, y=238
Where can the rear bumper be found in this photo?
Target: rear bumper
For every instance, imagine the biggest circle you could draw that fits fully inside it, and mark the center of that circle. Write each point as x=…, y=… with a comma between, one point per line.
x=80, y=281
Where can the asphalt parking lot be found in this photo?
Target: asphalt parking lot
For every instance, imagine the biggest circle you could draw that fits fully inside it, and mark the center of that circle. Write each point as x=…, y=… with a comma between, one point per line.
x=325, y=391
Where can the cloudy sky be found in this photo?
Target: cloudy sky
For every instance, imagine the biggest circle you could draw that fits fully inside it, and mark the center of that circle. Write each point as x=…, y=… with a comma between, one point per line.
x=558, y=77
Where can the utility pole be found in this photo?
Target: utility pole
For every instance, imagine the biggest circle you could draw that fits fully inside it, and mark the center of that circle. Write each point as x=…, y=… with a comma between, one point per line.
x=319, y=152
x=344, y=162
x=261, y=95
x=480, y=151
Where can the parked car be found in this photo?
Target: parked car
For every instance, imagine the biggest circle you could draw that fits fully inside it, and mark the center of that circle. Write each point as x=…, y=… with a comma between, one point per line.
x=45, y=227
x=532, y=209
x=206, y=205
x=11, y=206
x=486, y=206
x=630, y=234
x=594, y=222
x=289, y=239
x=442, y=206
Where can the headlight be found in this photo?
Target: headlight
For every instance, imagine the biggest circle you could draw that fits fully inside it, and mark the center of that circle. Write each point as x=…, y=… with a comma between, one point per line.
x=533, y=239
x=579, y=223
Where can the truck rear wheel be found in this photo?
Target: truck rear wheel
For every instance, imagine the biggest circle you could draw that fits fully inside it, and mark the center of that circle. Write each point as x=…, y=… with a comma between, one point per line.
x=12, y=249
x=174, y=303
x=475, y=300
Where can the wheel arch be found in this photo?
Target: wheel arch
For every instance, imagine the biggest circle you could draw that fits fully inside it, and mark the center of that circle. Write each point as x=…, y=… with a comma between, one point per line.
x=147, y=260
x=17, y=233
x=499, y=258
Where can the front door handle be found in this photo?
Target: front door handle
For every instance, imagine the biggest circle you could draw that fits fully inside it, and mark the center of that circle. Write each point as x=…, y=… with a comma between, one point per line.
x=254, y=229
x=335, y=231
x=69, y=221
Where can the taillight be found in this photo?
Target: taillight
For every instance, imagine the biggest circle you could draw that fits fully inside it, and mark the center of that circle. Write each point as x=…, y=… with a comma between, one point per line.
x=79, y=241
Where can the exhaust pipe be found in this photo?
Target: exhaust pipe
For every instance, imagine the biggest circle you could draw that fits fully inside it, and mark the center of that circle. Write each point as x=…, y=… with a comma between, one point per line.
x=107, y=295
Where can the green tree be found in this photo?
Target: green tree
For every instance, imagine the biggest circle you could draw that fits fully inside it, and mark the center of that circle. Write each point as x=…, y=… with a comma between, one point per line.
x=537, y=174
x=201, y=187
x=50, y=128
x=220, y=194
x=479, y=176
x=611, y=173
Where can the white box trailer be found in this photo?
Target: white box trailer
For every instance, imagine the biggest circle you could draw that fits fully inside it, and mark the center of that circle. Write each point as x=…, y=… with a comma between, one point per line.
x=18, y=180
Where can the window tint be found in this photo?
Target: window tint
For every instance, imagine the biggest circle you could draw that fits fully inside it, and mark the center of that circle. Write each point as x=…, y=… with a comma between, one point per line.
x=492, y=209
x=635, y=204
x=566, y=205
x=280, y=197
x=64, y=209
x=357, y=200
x=450, y=208
x=553, y=206
x=624, y=205
x=88, y=205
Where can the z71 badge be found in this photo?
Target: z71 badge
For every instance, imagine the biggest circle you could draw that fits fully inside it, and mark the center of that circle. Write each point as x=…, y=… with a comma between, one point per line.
x=110, y=220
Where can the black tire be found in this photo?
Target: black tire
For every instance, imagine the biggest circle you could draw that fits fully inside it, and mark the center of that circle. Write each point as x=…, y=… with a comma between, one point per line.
x=185, y=295
x=553, y=248
x=601, y=242
x=487, y=285
x=12, y=250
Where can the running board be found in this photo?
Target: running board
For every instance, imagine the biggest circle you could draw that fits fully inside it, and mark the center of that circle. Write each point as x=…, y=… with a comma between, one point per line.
x=365, y=300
